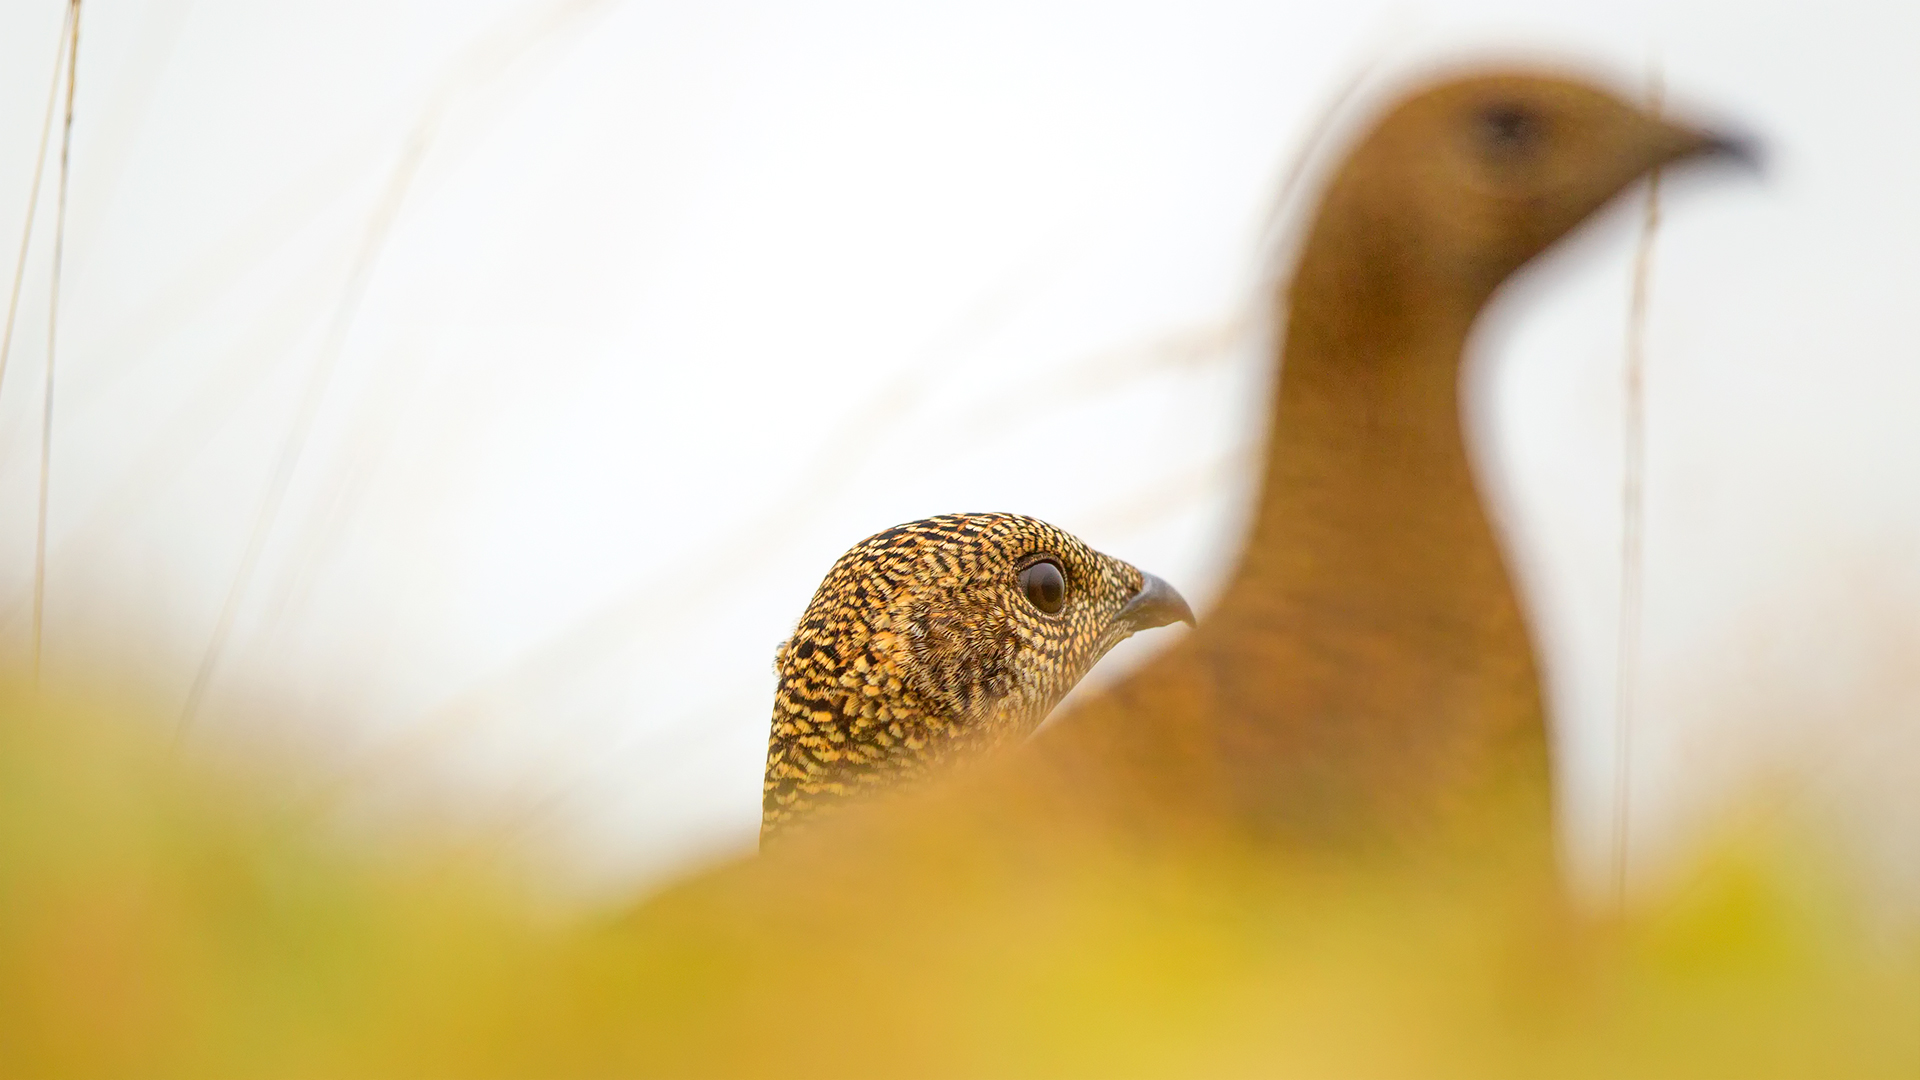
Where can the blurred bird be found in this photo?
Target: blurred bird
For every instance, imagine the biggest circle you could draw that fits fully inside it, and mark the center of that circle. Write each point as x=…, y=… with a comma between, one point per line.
x=1363, y=695
x=1367, y=674
x=936, y=641
x=1368, y=669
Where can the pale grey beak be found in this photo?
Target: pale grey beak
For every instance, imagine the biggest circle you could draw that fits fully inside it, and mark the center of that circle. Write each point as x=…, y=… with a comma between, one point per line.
x=1156, y=604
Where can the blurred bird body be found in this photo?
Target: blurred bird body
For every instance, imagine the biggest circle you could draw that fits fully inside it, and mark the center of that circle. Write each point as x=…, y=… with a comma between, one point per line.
x=937, y=641
x=1367, y=676
x=1369, y=669
x=1368, y=673
x=1364, y=697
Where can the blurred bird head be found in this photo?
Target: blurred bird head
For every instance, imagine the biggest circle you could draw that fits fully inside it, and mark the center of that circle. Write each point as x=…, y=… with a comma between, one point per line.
x=1470, y=178
x=943, y=637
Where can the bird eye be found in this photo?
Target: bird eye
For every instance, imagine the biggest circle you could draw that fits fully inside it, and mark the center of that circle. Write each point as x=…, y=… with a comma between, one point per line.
x=1045, y=586
x=1509, y=130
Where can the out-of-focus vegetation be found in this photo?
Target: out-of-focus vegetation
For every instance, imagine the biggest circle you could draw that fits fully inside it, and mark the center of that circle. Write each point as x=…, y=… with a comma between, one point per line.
x=158, y=920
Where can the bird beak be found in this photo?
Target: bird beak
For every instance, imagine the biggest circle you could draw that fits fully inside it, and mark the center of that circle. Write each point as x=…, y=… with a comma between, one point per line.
x=1156, y=604
x=1695, y=144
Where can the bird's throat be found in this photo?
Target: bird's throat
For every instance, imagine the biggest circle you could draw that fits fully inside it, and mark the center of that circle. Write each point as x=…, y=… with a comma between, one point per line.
x=1370, y=653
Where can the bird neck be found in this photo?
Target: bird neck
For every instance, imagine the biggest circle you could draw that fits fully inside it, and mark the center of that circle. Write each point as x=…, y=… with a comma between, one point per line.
x=1368, y=503
x=1371, y=642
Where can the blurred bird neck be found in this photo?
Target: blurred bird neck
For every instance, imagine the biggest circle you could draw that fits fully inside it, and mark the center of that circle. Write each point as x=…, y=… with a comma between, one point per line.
x=1371, y=642
x=1368, y=500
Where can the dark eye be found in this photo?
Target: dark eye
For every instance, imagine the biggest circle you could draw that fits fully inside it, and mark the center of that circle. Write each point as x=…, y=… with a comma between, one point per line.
x=1509, y=130
x=1045, y=586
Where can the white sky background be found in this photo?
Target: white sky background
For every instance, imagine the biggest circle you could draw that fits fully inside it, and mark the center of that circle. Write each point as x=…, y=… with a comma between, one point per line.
x=629, y=318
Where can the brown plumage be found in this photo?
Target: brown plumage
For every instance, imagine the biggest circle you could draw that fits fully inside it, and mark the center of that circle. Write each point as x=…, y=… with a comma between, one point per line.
x=1368, y=670
x=1109, y=901
x=1363, y=698
x=936, y=641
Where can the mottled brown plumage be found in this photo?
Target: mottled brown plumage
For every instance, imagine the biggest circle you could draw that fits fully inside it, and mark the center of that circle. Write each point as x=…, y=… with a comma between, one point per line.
x=927, y=644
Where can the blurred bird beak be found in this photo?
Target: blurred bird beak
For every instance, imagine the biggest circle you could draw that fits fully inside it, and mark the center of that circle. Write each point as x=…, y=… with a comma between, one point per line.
x=1156, y=604
x=1743, y=150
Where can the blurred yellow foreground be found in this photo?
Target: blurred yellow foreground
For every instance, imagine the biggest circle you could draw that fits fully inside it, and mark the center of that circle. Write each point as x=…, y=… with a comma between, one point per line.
x=157, y=922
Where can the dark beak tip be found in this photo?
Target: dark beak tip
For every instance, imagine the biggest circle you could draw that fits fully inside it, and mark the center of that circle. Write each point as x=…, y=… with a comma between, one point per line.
x=1737, y=147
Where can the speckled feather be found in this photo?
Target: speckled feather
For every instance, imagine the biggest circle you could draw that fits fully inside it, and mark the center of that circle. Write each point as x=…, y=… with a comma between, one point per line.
x=920, y=649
